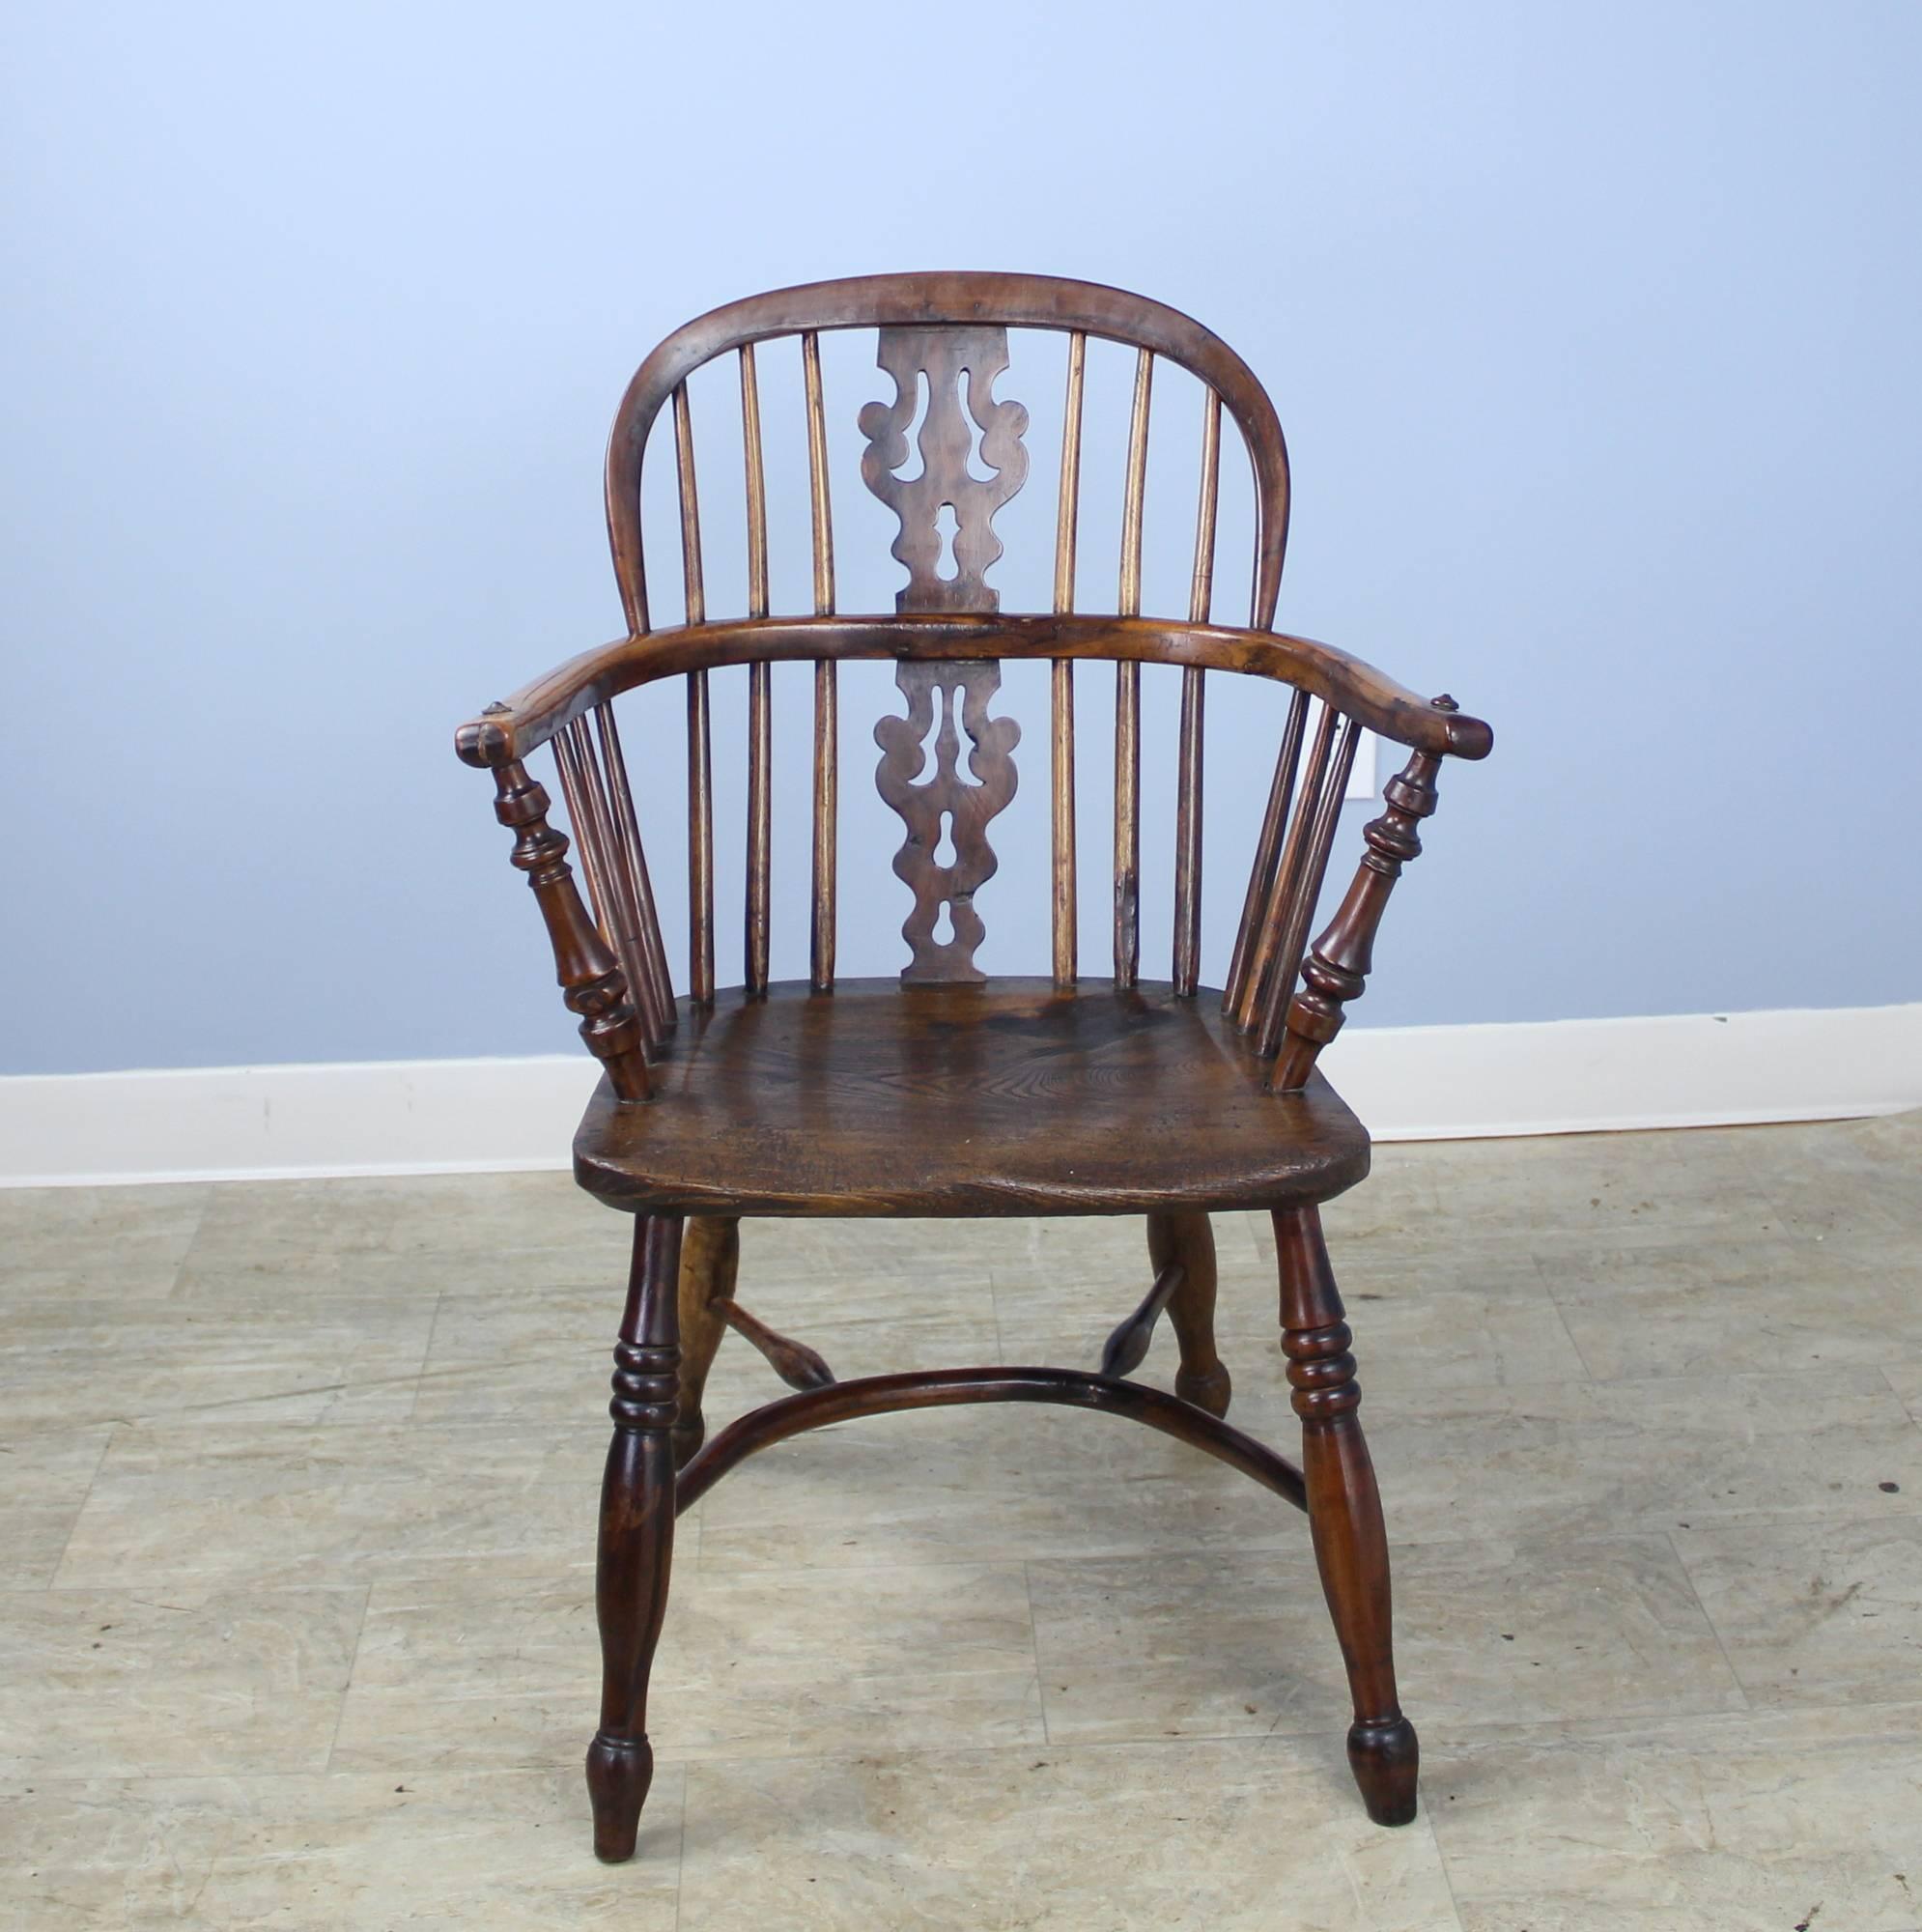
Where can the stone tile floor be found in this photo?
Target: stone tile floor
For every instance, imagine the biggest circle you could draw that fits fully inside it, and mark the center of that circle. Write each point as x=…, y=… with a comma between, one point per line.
x=296, y=1497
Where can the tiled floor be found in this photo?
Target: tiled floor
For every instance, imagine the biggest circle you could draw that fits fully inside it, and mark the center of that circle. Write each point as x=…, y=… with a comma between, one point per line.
x=296, y=1494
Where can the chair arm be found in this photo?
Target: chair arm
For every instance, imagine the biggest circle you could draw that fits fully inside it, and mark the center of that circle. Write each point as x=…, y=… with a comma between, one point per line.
x=532, y=716
x=598, y=989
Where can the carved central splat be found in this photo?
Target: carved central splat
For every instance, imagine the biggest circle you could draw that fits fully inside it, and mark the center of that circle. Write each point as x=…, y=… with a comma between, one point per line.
x=946, y=442
x=948, y=809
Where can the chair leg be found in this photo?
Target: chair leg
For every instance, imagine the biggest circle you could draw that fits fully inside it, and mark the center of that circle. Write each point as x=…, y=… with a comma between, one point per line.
x=710, y=1261
x=1345, y=1513
x=1203, y=1378
x=636, y=1534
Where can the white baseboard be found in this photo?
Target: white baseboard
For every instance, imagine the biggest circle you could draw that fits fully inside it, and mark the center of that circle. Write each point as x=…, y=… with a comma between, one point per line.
x=1407, y=1082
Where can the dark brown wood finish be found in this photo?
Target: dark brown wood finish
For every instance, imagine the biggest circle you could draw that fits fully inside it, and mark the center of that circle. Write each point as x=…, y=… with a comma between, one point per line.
x=589, y=975
x=710, y=1265
x=1188, y=1241
x=799, y=1366
x=1012, y=1097
x=1064, y=903
x=955, y=362
x=1126, y=1348
x=1345, y=1512
x=519, y=725
x=946, y=808
x=827, y=698
x=947, y=1093
x=1338, y=967
x=636, y=1546
x=945, y=1388
x=948, y=300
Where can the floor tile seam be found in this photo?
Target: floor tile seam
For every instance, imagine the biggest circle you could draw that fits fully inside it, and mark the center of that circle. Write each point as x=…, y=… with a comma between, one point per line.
x=80, y=1510
x=347, y=1688
x=1034, y=1645
x=420, y=1374
x=1714, y=1629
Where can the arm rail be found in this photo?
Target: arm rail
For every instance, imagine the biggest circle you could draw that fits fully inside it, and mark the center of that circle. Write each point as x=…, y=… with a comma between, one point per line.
x=538, y=711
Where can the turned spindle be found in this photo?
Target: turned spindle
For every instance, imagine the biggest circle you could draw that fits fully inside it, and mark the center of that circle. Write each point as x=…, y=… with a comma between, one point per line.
x=1336, y=970
x=591, y=982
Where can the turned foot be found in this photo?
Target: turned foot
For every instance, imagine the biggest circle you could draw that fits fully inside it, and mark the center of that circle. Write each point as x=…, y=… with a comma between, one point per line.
x=619, y=1771
x=1384, y=1758
x=1206, y=1388
x=1203, y=1378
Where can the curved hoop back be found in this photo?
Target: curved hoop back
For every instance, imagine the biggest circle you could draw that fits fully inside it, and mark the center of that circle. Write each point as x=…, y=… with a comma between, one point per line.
x=954, y=300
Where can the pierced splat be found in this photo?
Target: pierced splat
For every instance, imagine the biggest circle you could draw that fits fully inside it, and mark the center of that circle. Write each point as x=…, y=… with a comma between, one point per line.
x=948, y=813
x=946, y=502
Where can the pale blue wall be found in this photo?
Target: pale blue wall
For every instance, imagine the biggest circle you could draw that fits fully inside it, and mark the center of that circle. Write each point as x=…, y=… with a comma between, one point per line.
x=1594, y=331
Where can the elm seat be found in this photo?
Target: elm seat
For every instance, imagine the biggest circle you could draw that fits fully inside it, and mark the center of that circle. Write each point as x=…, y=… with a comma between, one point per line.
x=1047, y=1101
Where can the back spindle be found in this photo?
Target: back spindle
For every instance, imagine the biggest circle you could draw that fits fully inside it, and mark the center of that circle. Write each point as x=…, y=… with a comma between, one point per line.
x=760, y=741
x=589, y=853
x=627, y=834
x=827, y=708
x=1188, y=783
x=609, y=882
x=700, y=743
x=1286, y=884
x=1321, y=807
x=760, y=823
x=1238, y=993
x=1067, y=517
x=1128, y=695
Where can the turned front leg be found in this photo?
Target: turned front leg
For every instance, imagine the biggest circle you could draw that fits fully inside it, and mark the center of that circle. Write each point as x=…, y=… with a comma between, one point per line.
x=637, y=1533
x=1203, y=1378
x=1345, y=1513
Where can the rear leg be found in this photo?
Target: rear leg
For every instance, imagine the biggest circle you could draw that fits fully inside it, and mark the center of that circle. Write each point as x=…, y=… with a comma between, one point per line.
x=709, y=1264
x=1203, y=1378
x=710, y=1260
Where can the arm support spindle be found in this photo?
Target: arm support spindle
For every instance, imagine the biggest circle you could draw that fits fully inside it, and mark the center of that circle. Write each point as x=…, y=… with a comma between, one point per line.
x=590, y=978
x=1338, y=965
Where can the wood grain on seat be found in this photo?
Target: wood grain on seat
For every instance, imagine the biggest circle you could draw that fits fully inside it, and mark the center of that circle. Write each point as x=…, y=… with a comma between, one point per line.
x=1014, y=1097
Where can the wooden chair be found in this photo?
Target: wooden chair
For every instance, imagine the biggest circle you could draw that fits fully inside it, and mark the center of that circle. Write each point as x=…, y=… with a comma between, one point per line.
x=948, y=1092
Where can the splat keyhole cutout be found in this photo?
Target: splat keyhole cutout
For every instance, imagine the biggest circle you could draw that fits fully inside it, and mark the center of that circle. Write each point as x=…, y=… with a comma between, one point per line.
x=943, y=926
x=947, y=526
x=915, y=466
x=977, y=464
x=944, y=853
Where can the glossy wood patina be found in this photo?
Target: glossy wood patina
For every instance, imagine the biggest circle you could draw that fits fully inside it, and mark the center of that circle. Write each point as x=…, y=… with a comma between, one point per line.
x=948, y=1092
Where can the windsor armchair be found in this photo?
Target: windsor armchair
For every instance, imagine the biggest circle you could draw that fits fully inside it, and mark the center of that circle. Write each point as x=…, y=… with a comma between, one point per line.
x=945, y=1092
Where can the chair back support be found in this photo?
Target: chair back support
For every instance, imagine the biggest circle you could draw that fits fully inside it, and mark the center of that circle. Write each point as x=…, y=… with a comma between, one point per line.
x=942, y=345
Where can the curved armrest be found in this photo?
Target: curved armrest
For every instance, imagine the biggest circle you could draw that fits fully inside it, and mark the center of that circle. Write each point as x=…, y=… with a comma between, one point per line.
x=527, y=720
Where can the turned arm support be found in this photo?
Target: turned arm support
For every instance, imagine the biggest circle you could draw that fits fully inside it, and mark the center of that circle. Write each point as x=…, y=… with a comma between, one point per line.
x=1338, y=965
x=591, y=979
